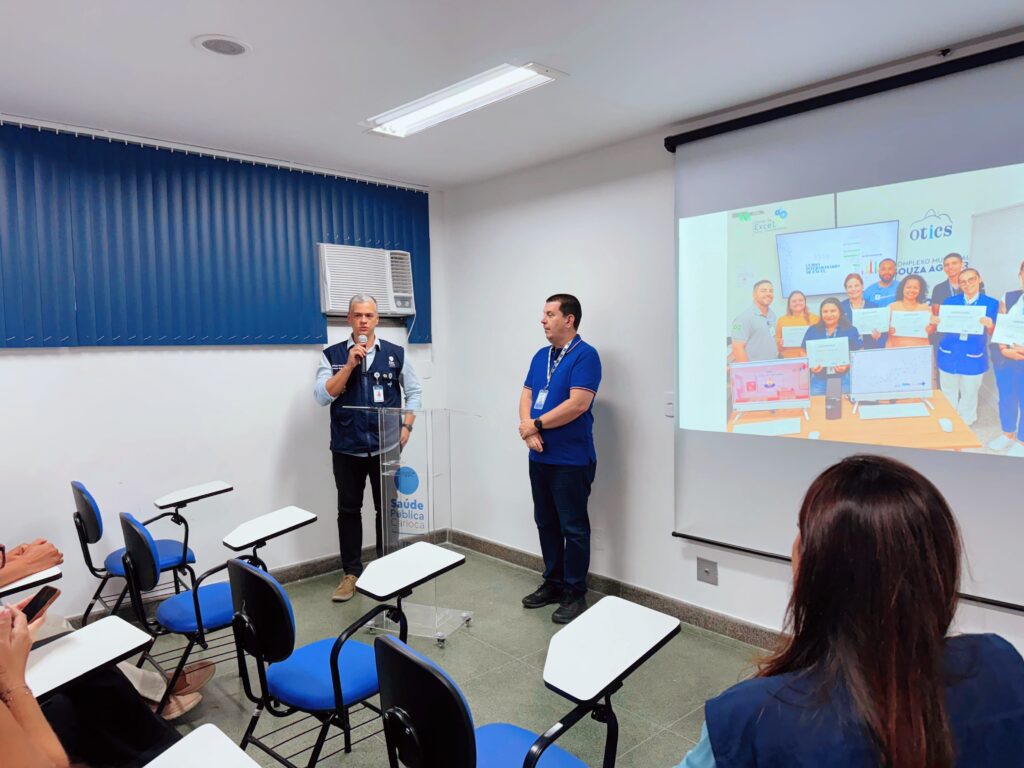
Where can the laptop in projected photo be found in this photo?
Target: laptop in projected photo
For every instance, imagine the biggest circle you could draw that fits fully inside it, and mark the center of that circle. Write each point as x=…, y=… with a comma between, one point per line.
x=891, y=374
x=770, y=385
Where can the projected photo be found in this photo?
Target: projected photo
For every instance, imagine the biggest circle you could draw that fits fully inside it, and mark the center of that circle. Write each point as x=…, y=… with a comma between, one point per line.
x=883, y=316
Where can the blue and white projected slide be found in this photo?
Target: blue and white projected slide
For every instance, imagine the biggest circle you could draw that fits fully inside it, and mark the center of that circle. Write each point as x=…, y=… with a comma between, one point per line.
x=817, y=262
x=773, y=283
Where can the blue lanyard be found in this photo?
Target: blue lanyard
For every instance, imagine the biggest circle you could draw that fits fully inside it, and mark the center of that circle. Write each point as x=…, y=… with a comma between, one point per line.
x=554, y=367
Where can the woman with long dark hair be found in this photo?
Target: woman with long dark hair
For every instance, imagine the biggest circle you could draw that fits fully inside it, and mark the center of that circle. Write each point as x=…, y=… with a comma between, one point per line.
x=866, y=675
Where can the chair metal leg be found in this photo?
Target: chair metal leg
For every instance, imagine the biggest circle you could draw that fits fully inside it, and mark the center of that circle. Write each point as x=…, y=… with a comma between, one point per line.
x=346, y=727
x=319, y=745
x=95, y=597
x=177, y=582
x=120, y=599
x=252, y=727
x=176, y=675
x=611, y=744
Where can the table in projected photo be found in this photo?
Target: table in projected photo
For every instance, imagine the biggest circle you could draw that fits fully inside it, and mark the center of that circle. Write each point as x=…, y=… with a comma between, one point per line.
x=921, y=432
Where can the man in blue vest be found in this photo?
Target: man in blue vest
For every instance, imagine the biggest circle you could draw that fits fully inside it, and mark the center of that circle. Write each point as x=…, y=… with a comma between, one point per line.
x=883, y=293
x=362, y=371
x=557, y=425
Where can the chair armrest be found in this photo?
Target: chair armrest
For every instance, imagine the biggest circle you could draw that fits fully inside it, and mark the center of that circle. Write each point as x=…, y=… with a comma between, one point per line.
x=196, y=583
x=549, y=736
x=161, y=516
x=366, y=618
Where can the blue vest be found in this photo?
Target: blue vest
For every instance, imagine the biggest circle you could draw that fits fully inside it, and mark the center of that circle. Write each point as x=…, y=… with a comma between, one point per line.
x=780, y=722
x=968, y=356
x=358, y=431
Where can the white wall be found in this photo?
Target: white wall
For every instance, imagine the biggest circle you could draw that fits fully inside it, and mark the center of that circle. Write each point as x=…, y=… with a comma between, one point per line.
x=601, y=226
x=134, y=424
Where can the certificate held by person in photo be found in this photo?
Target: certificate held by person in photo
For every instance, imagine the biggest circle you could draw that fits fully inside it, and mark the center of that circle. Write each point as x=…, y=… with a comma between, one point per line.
x=911, y=324
x=828, y=353
x=954, y=318
x=1009, y=329
x=871, y=319
x=793, y=335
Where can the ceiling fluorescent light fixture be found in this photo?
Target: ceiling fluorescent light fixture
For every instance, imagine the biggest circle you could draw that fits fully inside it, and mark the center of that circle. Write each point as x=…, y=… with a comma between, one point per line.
x=489, y=87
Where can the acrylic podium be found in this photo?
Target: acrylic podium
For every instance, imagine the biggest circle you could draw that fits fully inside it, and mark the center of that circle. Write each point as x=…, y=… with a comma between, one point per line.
x=417, y=505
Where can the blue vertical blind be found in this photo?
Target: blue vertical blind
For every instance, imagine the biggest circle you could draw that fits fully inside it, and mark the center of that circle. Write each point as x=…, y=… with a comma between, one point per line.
x=106, y=244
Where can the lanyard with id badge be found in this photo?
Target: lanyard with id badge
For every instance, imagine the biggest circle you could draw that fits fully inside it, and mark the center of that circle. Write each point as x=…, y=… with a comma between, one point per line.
x=542, y=396
x=378, y=388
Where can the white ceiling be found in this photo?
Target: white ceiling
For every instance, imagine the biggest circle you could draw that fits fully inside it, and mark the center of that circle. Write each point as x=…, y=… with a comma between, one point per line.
x=318, y=67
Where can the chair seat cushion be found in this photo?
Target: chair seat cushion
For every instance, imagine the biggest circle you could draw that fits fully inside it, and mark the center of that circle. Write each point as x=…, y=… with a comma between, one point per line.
x=500, y=745
x=303, y=680
x=168, y=550
x=178, y=613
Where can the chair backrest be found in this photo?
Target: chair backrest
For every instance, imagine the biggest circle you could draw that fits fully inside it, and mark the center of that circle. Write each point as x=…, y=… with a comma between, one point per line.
x=141, y=548
x=422, y=698
x=268, y=630
x=88, y=512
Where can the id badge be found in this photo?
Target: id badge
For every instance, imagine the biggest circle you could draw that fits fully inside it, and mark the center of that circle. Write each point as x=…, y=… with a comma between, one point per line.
x=542, y=397
x=378, y=393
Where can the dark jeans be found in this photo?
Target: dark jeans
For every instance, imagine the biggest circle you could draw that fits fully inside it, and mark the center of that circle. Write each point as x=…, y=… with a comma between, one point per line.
x=100, y=720
x=350, y=473
x=560, y=494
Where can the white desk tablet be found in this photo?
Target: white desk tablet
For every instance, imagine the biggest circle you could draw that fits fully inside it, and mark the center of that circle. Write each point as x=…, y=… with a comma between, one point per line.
x=195, y=493
x=603, y=646
x=67, y=658
x=35, y=580
x=401, y=571
x=206, y=745
x=268, y=526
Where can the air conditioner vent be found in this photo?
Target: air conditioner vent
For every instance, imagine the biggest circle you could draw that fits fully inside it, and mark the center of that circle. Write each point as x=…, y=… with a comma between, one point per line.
x=346, y=270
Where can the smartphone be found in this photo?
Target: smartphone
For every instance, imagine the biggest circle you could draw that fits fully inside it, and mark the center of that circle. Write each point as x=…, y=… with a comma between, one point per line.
x=44, y=597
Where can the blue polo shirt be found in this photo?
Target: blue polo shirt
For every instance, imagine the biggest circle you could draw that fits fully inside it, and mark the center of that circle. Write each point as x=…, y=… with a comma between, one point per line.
x=882, y=295
x=573, y=443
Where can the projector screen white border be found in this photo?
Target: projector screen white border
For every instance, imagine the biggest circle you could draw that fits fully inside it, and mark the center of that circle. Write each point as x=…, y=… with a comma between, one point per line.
x=745, y=491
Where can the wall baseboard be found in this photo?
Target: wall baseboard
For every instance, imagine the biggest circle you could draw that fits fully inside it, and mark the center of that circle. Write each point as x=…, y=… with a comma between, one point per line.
x=761, y=637
x=711, y=621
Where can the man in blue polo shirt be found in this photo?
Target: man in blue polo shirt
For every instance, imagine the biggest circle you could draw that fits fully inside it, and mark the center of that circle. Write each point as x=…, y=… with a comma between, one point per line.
x=883, y=293
x=557, y=425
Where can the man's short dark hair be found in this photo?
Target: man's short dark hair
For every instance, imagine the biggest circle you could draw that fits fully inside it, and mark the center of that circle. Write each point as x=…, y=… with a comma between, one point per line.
x=759, y=283
x=953, y=255
x=888, y=259
x=568, y=305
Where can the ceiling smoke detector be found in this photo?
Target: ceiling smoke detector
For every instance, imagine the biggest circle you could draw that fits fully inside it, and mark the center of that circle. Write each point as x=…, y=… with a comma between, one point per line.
x=222, y=45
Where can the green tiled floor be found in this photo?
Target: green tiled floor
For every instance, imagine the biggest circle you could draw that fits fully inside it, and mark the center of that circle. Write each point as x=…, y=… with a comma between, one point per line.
x=498, y=661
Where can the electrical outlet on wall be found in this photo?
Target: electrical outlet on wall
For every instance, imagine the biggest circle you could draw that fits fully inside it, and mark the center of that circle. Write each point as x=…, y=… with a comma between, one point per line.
x=707, y=571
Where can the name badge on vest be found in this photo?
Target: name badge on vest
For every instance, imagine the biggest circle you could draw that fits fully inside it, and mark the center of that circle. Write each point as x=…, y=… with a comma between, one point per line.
x=542, y=397
x=378, y=393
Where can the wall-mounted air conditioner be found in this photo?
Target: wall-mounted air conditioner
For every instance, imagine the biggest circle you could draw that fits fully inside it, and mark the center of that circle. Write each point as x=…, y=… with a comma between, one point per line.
x=346, y=270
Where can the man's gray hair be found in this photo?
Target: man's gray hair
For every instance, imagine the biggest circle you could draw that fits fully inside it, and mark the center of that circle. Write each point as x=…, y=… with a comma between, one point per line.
x=361, y=298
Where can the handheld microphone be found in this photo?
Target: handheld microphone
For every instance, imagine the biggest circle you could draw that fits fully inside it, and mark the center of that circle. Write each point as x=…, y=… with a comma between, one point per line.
x=362, y=340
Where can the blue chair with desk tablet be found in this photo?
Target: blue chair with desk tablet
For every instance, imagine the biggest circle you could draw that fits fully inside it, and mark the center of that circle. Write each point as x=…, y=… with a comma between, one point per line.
x=329, y=680
x=193, y=614
x=171, y=553
x=427, y=721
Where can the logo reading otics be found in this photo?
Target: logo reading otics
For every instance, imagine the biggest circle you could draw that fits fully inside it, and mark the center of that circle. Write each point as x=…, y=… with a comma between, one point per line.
x=406, y=481
x=932, y=226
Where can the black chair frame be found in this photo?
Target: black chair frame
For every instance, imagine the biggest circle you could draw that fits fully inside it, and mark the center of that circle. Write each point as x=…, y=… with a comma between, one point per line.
x=405, y=749
x=340, y=717
x=153, y=627
x=104, y=576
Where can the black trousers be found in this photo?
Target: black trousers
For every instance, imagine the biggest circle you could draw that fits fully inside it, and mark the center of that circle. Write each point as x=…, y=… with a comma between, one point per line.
x=350, y=474
x=101, y=720
x=560, y=494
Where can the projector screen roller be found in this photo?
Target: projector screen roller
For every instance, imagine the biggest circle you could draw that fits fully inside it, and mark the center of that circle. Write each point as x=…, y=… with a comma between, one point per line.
x=939, y=166
x=863, y=270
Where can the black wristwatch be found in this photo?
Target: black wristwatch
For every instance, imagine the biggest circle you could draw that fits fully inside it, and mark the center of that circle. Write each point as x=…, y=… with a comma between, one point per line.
x=407, y=426
x=538, y=425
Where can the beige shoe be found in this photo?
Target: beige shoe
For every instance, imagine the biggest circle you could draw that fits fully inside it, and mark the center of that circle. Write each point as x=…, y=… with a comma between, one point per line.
x=178, y=705
x=346, y=590
x=193, y=677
